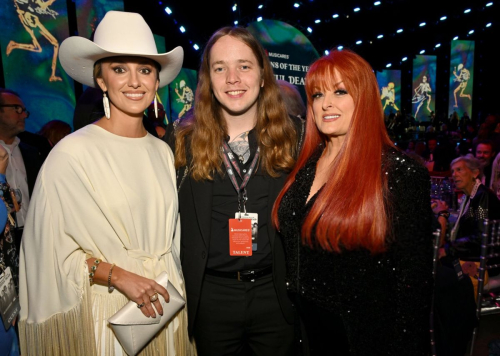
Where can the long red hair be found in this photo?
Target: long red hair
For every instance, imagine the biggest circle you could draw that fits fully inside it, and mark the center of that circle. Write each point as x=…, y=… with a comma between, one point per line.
x=350, y=211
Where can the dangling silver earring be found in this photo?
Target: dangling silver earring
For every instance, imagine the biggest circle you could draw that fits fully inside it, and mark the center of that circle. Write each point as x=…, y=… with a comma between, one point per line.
x=105, y=103
x=156, y=106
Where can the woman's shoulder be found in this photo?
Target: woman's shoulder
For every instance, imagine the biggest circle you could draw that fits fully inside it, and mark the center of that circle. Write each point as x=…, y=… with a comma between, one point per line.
x=396, y=161
x=404, y=173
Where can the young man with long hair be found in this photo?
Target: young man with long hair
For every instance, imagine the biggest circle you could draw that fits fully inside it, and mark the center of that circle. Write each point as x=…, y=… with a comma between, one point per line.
x=233, y=152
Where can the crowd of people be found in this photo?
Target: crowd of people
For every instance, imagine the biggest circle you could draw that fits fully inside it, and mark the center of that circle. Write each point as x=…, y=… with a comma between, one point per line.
x=284, y=234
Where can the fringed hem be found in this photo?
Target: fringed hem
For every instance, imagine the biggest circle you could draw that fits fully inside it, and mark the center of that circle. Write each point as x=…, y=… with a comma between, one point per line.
x=70, y=333
x=62, y=334
x=161, y=344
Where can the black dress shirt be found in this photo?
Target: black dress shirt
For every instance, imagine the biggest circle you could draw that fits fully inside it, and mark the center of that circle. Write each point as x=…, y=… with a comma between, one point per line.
x=224, y=207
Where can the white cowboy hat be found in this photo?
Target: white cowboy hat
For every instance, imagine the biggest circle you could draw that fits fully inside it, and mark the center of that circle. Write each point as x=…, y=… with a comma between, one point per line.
x=118, y=34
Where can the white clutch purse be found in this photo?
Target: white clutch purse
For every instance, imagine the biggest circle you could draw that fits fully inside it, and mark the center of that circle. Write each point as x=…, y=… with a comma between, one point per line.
x=134, y=330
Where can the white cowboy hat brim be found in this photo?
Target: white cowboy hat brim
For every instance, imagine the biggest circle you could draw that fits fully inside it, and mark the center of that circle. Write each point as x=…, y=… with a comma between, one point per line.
x=118, y=34
x=78, y=56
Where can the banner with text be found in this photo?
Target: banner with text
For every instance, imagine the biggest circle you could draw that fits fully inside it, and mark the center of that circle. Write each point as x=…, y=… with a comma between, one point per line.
x=289, y=50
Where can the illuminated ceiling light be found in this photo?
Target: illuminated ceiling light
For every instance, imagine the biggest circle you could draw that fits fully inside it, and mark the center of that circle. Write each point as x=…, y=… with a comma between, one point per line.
x=196, y=47
x=359, y=42
x=335, y=16
x=380, y=36
x=388, y=65
x=404, y=59
x=259, y=19
x=236, y=22
x=422, y=51
x=327, y=52
x=443, y=18
x=489, y=4
x=377, y=3
x=168, y=11
x=400, y=30
x=296, y=5
x=471, y=32
x=340, y=48
x=235, y=6
x=310, y=30
x=317, y=21
x=455, y=38
x=438, y=45
x=467, y=11
x=260, y=6
x=488, y=24
x=356, y=9
x=182, y=29
x=422, y=24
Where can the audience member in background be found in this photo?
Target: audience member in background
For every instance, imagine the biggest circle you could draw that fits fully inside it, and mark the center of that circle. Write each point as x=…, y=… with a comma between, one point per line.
x=464, y=121
x=485, y=153
x=9, y=256
x=359, y=256
x=292, y=98
x=24, y=160
x=236, y=297
x=437, y=158
x=104, y=217
x=479, y=203
x=55, y=131
x=454, y=301
x=454, y=121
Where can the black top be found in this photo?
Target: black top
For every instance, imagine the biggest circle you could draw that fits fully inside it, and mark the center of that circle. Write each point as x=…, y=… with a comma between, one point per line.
x=384, y=300
x=225, y=205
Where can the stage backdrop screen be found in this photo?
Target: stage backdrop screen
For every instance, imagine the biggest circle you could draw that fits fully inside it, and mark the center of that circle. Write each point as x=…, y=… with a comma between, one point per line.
x=182, y=91
x=30, y=35
x=289, y=50
x=424, y=87
x=461, y=77
x=90, y=12
x=389, y=82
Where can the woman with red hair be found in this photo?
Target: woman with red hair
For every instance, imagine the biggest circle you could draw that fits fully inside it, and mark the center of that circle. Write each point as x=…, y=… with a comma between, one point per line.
x=356, y=219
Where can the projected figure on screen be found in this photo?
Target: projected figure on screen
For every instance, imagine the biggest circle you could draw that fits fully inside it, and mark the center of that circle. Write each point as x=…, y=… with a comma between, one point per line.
x=389, y=95
x=185, y=97
x=28, y=12
x=462, y=78
x=422, y=93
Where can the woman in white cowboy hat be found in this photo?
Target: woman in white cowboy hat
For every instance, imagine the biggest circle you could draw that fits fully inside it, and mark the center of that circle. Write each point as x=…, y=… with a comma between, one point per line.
x=103, y=221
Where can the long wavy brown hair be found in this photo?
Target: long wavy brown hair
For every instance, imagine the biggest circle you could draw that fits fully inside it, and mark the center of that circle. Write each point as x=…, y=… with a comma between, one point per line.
x=351, y=210
x=204, y=128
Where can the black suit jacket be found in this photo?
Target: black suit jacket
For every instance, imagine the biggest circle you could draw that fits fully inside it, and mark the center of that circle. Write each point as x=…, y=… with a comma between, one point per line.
x=33, y=162
x=195, y=204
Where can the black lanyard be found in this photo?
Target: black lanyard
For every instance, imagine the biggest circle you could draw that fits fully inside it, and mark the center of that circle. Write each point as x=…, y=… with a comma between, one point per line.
x=229, y=161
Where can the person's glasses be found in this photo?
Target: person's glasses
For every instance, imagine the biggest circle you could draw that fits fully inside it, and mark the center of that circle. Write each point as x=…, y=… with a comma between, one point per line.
x=19, y=109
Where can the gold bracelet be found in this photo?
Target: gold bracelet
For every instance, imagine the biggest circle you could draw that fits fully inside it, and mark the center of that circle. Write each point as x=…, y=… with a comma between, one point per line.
x=110, y=287
x=93, y=269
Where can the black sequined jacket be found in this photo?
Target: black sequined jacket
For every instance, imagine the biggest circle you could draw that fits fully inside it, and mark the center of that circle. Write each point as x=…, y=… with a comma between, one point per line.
x=384, y=300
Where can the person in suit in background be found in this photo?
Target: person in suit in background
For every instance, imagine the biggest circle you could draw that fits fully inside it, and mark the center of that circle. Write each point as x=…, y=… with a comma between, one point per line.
x=24, y=160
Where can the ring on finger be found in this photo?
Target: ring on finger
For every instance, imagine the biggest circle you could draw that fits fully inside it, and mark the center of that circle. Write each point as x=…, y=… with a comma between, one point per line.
x=154, y=298
x=141, y=305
